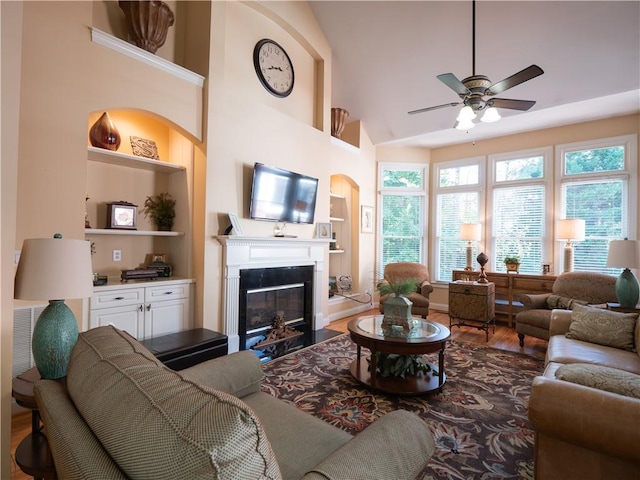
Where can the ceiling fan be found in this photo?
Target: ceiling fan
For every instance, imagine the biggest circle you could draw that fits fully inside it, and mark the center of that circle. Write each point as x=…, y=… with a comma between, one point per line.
x=477, y=91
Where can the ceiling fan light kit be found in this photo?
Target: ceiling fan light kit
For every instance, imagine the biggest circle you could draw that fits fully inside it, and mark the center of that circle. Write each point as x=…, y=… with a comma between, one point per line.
x=476, y=92
x=490, y=115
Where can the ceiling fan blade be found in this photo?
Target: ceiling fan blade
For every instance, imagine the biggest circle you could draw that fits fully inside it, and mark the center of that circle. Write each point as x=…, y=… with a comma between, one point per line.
x=451, y=81
x=428, y=109
x=515, y=79
x=512, y=104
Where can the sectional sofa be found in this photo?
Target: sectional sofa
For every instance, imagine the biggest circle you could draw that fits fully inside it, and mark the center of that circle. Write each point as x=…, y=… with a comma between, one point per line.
x=122, y=414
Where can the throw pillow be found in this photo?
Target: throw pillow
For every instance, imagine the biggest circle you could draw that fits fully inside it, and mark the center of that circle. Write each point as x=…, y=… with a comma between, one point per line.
x=565, y=303
x=603, y=378
x=604, y=327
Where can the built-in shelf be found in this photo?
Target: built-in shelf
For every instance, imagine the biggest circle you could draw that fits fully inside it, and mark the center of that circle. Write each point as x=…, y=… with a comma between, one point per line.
x=139, y=233
x=102, y=155
x=336, y=219
x=137, y=53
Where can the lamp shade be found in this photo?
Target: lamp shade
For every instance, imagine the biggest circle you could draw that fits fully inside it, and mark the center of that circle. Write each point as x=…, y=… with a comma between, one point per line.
x=470, y=232
x=624, y=254
x=570, y=229
x=54, y=268
x=490, y=115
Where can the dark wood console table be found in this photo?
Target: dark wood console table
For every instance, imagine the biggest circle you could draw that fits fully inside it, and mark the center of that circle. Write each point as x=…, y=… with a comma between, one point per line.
x=508, y=286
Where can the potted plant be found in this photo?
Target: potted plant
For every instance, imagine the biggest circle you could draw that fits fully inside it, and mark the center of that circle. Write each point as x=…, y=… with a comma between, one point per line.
x=161, y=210
x=513, y=263
x=397, y=309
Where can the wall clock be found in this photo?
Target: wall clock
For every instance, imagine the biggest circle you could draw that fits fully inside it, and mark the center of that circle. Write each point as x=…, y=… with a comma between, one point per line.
x=273, y=67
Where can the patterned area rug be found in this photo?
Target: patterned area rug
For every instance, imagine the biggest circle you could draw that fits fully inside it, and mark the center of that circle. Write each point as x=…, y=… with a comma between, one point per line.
x=479, y=421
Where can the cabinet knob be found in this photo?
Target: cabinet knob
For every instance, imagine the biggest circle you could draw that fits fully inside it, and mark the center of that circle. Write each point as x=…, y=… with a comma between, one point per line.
x=119, y=298
x=168, y=293
x=467, y=291
x=148, y=307
x=140, y=308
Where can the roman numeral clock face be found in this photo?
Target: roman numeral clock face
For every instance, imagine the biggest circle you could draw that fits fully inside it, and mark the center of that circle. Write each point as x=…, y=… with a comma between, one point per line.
x=273, y=67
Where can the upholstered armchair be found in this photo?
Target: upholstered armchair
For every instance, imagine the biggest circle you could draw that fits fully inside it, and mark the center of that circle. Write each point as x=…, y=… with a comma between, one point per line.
x=569, y=289
x=406, y=270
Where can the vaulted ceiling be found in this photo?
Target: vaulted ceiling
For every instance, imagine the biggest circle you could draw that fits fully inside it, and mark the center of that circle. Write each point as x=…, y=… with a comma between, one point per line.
x=387, y=54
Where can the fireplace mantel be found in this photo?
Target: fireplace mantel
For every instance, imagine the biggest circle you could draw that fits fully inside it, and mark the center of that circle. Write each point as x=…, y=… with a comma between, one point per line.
x=243, y=253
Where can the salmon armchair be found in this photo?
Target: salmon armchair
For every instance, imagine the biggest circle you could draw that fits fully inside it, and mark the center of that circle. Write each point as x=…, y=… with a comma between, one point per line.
x=406, y=270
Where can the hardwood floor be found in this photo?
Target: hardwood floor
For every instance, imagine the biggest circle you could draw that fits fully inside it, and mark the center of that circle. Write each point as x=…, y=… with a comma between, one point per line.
x=504, y=338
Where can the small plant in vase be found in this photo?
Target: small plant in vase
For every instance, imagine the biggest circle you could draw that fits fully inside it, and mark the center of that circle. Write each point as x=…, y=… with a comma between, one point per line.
x=397, y=309
x=161, y=210
x=512, y=263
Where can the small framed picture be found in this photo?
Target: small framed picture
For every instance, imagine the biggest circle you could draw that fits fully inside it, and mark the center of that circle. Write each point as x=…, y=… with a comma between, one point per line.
x=142, y=147
x=158, y=258
x=366, y=219
x=122, y=215
x=235, y=224
x=323, y=230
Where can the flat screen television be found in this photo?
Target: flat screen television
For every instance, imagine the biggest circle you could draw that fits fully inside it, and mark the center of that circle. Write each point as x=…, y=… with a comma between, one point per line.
x=279, y=195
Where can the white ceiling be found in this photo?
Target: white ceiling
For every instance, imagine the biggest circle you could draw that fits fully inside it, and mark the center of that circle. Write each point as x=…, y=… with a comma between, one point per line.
x=386, y=55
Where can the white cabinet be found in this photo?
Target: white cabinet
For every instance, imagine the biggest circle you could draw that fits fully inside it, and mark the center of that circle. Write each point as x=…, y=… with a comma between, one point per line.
x=144, y=310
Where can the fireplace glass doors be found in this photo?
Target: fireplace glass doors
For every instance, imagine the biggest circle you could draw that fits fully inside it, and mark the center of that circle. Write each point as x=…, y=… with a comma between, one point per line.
x=276, y=306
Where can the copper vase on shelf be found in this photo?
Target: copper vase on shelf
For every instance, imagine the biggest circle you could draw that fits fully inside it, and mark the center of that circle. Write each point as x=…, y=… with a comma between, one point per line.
x=338, y=119
x=104, y=134
x=147, y=23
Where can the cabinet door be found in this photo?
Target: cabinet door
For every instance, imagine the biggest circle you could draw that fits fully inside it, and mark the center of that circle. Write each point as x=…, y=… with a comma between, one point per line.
x=129, y=318
x=166, y=317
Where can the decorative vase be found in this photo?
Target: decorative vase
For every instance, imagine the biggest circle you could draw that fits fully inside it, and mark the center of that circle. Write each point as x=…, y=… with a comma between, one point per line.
x=338, y=119
x=147, y=23
x=482, y=259
x=397, y=313
x=104, y=134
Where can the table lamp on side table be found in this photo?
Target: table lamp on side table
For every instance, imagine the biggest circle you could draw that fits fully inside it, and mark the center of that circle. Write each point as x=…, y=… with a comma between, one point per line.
x=570, y=229
x=53, y=268
x=471, y=233
x=624, y=254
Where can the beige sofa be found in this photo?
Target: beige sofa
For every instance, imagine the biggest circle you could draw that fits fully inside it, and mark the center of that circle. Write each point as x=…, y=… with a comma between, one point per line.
x=570, y=287
x=585, y=409
x=122, y=414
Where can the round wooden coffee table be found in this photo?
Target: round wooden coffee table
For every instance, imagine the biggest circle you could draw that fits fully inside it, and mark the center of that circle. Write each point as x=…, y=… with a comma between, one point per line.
x=426, y=337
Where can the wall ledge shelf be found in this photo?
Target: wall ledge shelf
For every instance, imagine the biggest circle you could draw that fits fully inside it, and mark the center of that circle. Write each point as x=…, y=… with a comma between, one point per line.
x=336, y=219
x=335, y=195
x=337, y=251
x=130, y=50
x=103, y=155
x=345, y=145
x=138, y=233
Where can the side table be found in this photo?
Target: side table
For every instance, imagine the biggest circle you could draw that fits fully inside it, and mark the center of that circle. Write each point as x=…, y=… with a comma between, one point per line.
x=33, y=455
x=617, y=308
x=472, y=304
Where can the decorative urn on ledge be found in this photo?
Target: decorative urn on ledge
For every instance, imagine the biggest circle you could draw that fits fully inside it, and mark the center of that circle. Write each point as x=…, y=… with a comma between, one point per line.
x=147, y=22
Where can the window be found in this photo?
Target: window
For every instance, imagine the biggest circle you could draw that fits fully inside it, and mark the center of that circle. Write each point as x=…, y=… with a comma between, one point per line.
x=519, y=206
x=458, y=201
x=598, y=184
x=402, y=200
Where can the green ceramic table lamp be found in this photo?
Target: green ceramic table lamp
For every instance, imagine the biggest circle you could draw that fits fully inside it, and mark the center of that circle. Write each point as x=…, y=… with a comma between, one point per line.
x=54, y=269
x=624, y=254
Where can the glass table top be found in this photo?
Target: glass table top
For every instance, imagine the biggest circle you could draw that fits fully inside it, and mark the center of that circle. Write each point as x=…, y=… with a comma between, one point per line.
x=422, y=329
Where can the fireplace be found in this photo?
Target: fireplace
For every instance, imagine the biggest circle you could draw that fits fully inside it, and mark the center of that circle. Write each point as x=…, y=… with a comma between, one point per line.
x=243, y=255
x=276, y=310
